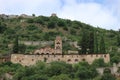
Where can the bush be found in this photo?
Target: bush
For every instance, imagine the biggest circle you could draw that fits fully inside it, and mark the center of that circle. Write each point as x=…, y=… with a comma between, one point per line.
x=115, y=59
x=30, y=20
x=99, y=63
x=31, y=27
x=61, y=23
x=39, y=20
x=51, y=24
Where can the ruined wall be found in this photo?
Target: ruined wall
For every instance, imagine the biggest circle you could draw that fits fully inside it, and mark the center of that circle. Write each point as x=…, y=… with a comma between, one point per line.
x=114, y=69
x=27, y=60
x=4, y=59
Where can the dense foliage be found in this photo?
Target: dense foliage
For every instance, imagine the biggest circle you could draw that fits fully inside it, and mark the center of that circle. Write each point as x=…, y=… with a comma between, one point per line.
x=52, y=71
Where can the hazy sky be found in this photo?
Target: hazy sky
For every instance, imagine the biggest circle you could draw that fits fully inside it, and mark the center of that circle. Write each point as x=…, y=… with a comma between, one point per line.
x=102, y=13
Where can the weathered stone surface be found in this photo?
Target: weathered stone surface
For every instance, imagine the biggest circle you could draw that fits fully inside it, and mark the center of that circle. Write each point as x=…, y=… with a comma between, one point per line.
x=27, y=60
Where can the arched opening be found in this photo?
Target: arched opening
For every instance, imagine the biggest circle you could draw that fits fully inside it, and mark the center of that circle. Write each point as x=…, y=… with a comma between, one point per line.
x=76, y=60
x=58, y=42
x=42, y=53
x=47, y=53
x=58, y=47
x=32, y=59
x=107, y=70
x=83, y=60
x=19, y=60
x=69, y=60
x=52, y=53
x=37, y=53
x=105, y=55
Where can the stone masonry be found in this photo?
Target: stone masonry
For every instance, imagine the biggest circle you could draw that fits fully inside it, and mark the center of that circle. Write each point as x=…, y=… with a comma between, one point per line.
x=49, y=54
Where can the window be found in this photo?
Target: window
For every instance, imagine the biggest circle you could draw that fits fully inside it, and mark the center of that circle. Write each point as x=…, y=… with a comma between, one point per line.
x=47, y=53
x=37, y=53
x=69, y=60
x=52, y=53
x=76, y=60
x=83, y=59
x=58, y=47
x=105, y=56
x=32, y=59
x=42, y=53
x=58, y=42
x=19, y=60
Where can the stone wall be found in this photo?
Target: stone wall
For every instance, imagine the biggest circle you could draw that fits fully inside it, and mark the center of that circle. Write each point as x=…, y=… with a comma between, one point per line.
x=37, y=43
x=4, y=59
x=27, y=60
x=114, y=69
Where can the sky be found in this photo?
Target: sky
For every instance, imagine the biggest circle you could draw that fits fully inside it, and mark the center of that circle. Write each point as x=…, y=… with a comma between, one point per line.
x=99, y=13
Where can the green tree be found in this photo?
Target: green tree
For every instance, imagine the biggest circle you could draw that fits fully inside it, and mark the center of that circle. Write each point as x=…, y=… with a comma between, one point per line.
x=16, y=45
x=84, y=71
x=22, y=48
x=60, y=77
x=2, y=27
x=118, y=40
x=91, y=42
x=84, y=42
x=115, y=59
x=108, y=76
x=57, y=68
x=102, y=45
x=99, y=63
x=29, y=20
x=38, y=20
x=61, y=23
x=33, y=15
x=96, y=43
x=51, y=24
x=31, y=27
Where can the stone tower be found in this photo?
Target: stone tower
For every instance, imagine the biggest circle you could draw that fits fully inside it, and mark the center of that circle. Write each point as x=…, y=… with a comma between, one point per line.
x=58, y=45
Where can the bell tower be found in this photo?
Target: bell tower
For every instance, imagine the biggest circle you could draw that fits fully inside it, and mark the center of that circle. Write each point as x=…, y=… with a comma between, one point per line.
x=58, y=45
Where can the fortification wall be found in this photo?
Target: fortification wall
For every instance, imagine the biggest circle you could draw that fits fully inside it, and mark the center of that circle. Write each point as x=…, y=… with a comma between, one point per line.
x=27, y=60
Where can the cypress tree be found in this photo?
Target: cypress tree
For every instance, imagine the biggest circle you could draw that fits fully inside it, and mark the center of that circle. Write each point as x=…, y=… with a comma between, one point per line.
x=102, y=45
x=84, y=43
x=118, y=40
x=91, y=42
x=16, y=46
x=95, y=43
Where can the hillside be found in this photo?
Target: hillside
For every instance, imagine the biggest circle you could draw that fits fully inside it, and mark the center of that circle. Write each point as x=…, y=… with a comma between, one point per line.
x=42, y=28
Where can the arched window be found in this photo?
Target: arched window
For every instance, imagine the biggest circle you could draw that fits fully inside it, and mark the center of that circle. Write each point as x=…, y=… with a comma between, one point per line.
x=83, y=59
x=47, y=53
x=42, y=53
x=69, y=60
x=37, y=53
x=58, y=42
x=76, y=60
x=58, y=47
x=32, y=59
x=52, y=53
x=105, y=55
